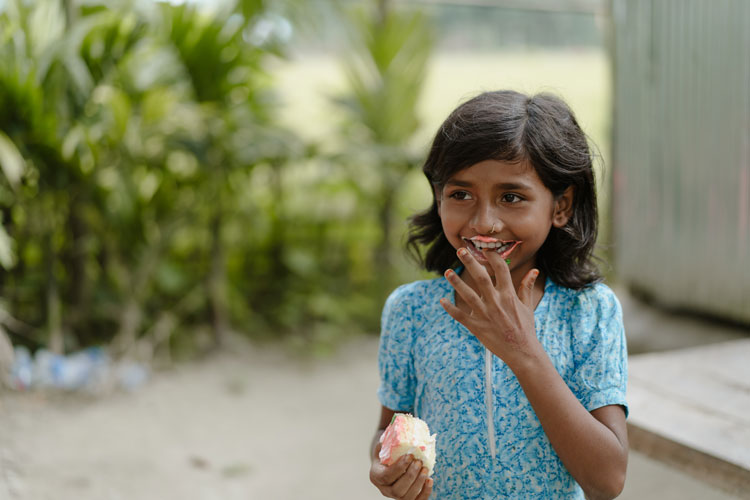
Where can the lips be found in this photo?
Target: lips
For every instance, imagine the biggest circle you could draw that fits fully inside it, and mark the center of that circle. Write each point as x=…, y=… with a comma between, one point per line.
x=478, y=244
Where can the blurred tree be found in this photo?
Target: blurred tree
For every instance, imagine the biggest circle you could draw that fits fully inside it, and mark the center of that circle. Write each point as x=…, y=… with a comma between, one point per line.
x=149, y=198
x=119, y=134
x=37, y=70
x=385, y=70
x=223, y=74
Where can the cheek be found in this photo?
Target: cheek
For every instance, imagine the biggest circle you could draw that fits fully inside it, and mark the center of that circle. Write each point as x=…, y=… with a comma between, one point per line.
x=448, y=227
x=451, y=229
x=533, y=227
x=451, y=220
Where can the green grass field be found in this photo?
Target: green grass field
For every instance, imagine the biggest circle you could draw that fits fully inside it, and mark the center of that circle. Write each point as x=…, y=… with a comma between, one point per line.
x=582, y=78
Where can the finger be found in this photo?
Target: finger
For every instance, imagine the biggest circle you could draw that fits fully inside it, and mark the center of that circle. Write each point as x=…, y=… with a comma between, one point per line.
x=426, y=490
x=503, y=279
x=402, y=485
x=526, y=288
x=416, y=486
x=396, y=470
x=477, y=271
x=464, y=290
x=455, y=312
x=379, y=475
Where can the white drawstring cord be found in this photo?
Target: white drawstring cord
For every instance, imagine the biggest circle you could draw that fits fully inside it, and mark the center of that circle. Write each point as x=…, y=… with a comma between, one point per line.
x=489, y=400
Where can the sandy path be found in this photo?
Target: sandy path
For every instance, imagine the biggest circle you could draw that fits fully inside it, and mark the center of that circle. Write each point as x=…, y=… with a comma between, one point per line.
x=254, y=424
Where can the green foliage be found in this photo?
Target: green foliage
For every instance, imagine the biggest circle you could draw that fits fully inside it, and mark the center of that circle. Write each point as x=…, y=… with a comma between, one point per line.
x=385, y=70
x=120, y=130
x=149, y=196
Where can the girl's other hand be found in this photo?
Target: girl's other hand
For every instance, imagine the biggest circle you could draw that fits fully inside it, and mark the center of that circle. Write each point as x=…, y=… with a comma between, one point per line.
x=501, y=317
x=406, y=479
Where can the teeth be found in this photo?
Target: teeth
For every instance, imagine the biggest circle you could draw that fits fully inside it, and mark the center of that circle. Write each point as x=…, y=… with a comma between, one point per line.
x=494, y=245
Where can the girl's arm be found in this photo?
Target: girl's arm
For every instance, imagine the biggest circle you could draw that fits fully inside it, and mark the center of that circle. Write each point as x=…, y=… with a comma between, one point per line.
x=592, y=445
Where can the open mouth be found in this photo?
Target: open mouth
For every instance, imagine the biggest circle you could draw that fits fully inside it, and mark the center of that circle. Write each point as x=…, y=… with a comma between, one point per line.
x=478, y=244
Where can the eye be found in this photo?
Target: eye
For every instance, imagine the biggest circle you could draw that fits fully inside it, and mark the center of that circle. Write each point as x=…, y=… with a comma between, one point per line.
x=510, y=198
x=460, y=195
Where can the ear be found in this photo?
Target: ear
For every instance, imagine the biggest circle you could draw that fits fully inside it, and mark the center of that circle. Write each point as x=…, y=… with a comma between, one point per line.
x=563, y=208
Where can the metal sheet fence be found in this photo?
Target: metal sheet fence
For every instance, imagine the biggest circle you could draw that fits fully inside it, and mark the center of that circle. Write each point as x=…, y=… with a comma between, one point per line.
x=681, y=152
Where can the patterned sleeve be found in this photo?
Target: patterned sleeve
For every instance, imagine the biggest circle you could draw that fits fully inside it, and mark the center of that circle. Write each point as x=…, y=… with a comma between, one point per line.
x=601, y=358
x=395, y=361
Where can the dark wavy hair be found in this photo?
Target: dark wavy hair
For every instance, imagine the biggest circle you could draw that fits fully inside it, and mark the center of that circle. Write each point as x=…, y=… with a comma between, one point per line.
x=512, y=127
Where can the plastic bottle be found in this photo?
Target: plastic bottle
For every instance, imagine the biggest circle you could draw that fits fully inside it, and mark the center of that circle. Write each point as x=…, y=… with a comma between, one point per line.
x=20, y=374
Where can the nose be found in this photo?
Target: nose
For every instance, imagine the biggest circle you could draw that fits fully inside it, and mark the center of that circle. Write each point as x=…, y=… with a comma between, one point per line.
x=485, y=221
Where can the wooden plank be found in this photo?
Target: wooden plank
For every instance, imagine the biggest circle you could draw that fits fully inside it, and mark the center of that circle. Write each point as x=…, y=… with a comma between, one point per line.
x=691, y=408
x=705, y=467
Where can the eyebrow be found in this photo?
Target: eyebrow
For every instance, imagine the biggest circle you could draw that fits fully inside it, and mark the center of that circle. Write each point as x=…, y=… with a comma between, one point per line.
x=512, y=186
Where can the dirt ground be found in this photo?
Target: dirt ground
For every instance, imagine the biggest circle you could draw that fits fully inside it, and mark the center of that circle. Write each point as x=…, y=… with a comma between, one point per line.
x=254, y=423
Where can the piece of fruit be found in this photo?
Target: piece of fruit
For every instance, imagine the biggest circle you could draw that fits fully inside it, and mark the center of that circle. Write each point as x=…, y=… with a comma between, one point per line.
x=408, y=434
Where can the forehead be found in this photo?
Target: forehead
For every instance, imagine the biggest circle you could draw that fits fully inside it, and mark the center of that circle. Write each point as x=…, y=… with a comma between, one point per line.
x=495, y=172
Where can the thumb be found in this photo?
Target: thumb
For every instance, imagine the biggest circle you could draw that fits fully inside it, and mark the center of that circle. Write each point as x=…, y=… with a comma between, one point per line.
x=526, y=287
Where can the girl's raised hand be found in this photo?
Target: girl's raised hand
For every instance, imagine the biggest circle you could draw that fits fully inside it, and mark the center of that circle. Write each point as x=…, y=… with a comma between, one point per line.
x=501, y=317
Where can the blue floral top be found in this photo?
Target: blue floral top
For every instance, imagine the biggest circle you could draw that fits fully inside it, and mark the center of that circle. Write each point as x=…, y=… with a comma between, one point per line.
x=490, y=443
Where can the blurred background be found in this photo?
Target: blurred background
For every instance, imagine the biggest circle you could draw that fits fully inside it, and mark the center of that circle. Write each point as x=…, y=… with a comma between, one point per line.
x=234, y=178
x=177, y=171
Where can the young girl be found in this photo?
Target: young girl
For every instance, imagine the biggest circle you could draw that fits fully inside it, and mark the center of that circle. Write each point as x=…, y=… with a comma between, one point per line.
x=516, y=357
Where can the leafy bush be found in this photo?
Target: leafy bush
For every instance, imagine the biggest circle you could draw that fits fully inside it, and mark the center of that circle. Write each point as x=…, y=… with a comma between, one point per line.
x=151, y=198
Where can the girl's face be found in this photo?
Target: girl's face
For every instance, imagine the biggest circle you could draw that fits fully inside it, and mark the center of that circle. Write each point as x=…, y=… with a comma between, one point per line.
x=503, y=207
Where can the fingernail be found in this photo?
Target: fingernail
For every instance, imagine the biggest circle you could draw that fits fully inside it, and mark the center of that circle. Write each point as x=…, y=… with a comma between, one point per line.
x=449, y=273
x=462, y=252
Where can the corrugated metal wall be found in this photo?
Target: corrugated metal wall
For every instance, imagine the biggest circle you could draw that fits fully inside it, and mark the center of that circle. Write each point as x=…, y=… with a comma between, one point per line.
x=681, y=152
